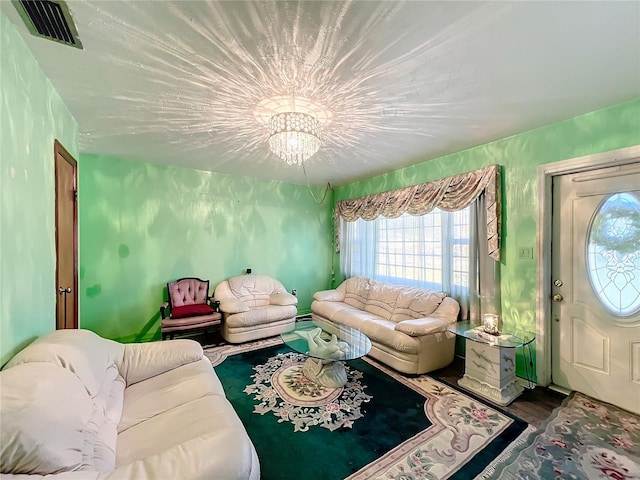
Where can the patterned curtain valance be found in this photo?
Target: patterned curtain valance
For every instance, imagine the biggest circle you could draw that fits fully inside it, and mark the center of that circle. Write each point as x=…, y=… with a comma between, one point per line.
x=451, y=193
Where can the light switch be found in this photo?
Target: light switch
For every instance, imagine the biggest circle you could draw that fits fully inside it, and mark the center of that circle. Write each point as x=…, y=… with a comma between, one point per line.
x=525, y=252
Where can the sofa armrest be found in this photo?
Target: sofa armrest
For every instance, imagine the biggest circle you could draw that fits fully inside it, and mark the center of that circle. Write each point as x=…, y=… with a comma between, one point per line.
x=146, y=360
x=447, y=311
x=283, y=298
x=228, y=305
x=421, y=326
x=329, y=296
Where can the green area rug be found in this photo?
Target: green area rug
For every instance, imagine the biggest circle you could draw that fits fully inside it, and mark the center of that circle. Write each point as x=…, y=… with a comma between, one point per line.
x=583, y=438
x=379, y=425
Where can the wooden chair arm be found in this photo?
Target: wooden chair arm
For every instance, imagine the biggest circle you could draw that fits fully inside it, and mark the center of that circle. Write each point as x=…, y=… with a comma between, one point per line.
x=214, y=303
x=164, y=310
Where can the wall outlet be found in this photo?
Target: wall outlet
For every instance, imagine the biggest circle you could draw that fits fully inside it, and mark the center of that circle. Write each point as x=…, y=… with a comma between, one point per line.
x=525, y=252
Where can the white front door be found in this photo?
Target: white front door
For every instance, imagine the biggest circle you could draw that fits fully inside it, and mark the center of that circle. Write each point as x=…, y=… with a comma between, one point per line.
x=596, y=284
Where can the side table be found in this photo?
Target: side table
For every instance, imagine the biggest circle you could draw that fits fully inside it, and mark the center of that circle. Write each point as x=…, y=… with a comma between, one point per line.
x=490, y=361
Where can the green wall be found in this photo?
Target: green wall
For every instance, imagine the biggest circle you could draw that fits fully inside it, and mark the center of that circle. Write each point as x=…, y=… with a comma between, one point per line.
x=596, y=132
x=142, y=225
x=32, y=116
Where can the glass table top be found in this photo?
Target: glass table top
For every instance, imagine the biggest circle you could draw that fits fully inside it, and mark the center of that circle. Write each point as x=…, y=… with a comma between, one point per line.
x=326, y=341
x=507, y=338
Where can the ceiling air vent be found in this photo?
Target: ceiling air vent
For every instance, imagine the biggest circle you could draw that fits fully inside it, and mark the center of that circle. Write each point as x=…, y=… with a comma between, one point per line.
x=49, y=19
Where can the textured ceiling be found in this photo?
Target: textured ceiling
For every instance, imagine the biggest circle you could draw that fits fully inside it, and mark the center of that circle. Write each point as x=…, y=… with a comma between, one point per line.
x=190, y=83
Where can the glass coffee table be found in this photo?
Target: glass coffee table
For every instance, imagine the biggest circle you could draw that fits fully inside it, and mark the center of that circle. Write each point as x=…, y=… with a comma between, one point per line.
x=490, y=361
x=327, y=346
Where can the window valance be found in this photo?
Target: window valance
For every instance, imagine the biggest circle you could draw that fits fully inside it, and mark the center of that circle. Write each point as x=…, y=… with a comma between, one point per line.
x=451, y=193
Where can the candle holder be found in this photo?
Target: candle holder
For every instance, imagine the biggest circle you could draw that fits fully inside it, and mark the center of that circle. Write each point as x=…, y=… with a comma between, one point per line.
x=490, y=324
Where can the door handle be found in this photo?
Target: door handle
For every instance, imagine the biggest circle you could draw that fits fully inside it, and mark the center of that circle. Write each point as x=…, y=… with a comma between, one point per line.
x=557, y=297
x=62, y=291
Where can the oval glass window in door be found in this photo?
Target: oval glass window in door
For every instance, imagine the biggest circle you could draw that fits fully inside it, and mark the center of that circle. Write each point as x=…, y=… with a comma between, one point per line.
x=613, y=254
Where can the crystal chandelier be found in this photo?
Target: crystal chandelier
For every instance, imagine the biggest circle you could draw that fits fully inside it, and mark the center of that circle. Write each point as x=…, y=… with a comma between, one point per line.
x=294, y=136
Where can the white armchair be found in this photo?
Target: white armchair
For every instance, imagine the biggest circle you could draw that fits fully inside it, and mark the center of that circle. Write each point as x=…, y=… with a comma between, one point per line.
x=253, y=307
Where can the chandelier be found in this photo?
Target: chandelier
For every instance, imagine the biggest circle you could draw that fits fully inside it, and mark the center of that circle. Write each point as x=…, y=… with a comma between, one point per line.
x=294, y=136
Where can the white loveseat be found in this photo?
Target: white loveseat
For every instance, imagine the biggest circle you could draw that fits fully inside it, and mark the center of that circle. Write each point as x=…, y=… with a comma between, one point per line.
x=407, y=326
x=253, y=307
x=74, y=405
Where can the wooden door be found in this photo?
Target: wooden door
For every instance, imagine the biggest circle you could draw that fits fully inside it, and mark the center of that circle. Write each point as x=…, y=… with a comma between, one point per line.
x=596, y=284
x=66, y=239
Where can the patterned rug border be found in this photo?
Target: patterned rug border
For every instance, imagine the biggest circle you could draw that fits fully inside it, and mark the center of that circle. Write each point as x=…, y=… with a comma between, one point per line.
x=386, y=462
x=390, y=465
x=551, y=429
x=524, y=439
x=490, y=470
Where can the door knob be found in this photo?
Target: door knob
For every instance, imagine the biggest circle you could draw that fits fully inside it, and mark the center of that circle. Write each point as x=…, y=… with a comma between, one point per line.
x=62, y=291
x=557, y=297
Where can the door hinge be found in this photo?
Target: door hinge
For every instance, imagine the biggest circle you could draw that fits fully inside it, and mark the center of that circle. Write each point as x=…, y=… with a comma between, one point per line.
x=75, y=195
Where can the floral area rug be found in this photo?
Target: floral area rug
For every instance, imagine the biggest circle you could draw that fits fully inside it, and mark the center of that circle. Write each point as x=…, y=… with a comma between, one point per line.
x=380, y=425
x=280, y=387
x=582, y=439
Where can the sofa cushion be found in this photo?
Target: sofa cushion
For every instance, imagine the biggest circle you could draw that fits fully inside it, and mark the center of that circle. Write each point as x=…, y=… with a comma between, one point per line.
x=416, y=303
x=225, y=453
x=329, y=309
x=158, y=394
x=355, y=291
x=382, y=299
x=352, y=317
x=192, y=419
x=381, y=331
x=262, y=315
x=191, y=310
x=45, y=411
x=82, y=352
x=229, y=305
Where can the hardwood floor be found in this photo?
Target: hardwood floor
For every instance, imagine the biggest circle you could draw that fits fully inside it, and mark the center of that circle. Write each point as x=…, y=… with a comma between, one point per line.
x=533, y=406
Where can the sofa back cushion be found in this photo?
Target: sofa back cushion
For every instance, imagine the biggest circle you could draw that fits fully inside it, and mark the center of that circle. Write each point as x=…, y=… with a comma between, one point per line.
x=255, y=290
x=44, y=411
x=356, y=291
x=382, y=299
x=416, y=303
x=82, y=352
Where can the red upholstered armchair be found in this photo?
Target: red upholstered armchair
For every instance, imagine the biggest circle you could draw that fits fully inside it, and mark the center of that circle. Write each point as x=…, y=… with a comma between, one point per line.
x=188, y=307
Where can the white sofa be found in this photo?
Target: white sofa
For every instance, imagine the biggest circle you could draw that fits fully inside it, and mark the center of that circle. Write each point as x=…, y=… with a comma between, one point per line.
x=407, y=326
x=253, y=307
x=74, y=405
